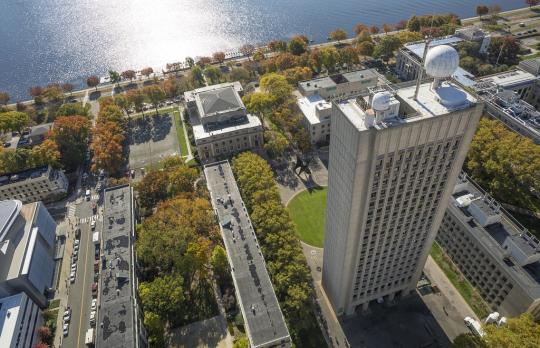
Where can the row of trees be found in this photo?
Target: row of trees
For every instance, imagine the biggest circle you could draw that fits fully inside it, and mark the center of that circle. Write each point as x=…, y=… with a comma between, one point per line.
x=178, y=248
x=285, y=261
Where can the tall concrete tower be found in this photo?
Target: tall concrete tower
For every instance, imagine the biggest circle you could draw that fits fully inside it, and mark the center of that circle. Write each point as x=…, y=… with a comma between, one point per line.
x=394, y=159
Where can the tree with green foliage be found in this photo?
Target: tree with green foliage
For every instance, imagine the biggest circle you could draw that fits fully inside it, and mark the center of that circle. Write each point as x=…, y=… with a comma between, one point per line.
x=413, y=24
x=114, y=77
x=259, y=103
x=155, y=328
x=71, y=109
x=330, y=57
x=468, y=340
x=275, y=143
x=4, y=98
x=111, y=113
x=212, y=73
x=277, y=46
x=13, y=121
x=219, y=261
x=122, y=102
x=297, y=45
x=276, y=85
x=505, y=163
x=532, y=3
x=163, y=296
x=197, y=76
x=155, y=95
x=366, y=48
x=386, y=47
x=504, y=50
x=242, y=342
x=239, y=74
x=136, y=98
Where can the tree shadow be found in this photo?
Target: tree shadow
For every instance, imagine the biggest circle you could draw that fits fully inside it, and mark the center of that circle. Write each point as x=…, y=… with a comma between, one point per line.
x=140, y=130
x=162, y=124
x=95, y=95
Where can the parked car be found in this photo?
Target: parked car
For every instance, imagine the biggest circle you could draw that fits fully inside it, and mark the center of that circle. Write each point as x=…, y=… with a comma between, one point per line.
x=93, y=225
x=94, y=304
x=66, y=329
x=76, y=248
x=96, y=254
x=94, y=289
x=74, y=267
x=76, y=242
x=67, y=315
x=72, y=277
x=92, y=318
x=88, y=195
x=78, y=233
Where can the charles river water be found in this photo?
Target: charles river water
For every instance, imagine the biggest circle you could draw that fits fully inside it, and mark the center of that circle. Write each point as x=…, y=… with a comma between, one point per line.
x=45, y=41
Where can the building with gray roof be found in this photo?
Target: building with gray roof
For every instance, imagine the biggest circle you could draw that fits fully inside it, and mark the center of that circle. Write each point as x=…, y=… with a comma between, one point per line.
x=27, y=247
x=221, y=123
x=119, y=314
x=37, y=184
x=494, y=251
x=20, y=319
x=523, y=83
x=339, y=85
x=264, y=322
x=532, y=66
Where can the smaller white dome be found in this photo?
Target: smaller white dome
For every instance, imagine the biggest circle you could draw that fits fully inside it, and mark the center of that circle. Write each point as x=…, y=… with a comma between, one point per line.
x=441, y=61
x=381, y=101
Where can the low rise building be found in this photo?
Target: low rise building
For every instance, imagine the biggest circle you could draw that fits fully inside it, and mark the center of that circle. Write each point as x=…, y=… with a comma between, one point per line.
x=119, y=313
x=532, y=66
x=20, y=318
x=510, y=109
x=496, y=254
x=263, y=319
x=221, y=124
x=471, y=33
x=339, y=85
x=27, y=248
x=409, y=60
x=32, y=185
x=316, y=112
x=517, y=80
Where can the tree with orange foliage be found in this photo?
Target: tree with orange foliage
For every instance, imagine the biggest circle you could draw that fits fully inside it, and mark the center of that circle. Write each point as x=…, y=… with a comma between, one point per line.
x=374, y=29
x=92, y=81
x=147, y=71
x=107, y=141
x=219, y=57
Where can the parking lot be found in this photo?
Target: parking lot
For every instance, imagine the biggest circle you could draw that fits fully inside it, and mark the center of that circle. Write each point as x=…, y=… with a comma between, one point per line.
x=151, y=138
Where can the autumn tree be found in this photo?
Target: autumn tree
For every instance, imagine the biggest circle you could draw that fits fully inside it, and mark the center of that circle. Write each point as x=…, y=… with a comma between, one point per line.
x=219, y=57
x=293, y=75
x=135, y=97
x=386, y=47
x=402, y=24
x=276, y=85
x=70, y=109
x=35, y=91
x=247, y=50
x=365, y=48
x=374, y=29
x=92, y=81
x=504, y=50
x=67, y=88
x=482, y=10
x=277, y=46
x=45, y=335
x=4, y=98
x=297, y=45
x=163, y=296
x=129, y=74
x=360, y=27
x=364, y=36
x=275, y=143
x=122, y=102
x=338, y=35
x=259, y=103
x=53, y=93
x=155, y=95
x=152, y=188
x=521, y=331
x=155, y=327
x=111, y=113
x=14, y=121
x=46, y=153
x=330, y=57
x=71, y=136
x=107, y=141
x=387, y=28
x=147, y=71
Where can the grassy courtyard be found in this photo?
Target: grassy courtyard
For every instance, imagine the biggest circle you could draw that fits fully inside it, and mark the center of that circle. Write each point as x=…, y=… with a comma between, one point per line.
x=307, y=210
x=182, y=141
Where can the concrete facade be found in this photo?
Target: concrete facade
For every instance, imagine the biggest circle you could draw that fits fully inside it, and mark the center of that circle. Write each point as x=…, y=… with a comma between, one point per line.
x=38, y=184
x=20, y=318
x=27, y=246
x=390, y=176
x=317, y=113
x=221, y=124
x=523, y=83
x=339, y=85
x=496, y=254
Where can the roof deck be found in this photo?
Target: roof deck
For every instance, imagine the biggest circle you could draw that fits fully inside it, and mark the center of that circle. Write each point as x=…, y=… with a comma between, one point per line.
x=262, y=315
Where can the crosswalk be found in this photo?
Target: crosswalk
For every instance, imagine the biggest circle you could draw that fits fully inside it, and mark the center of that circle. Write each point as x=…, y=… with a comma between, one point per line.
x=95, y=217
x=71, y=210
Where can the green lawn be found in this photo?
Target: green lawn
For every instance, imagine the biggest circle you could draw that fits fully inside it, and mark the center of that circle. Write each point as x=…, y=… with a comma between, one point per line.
x=307, y=210
x=181, y=137
x=467, y=291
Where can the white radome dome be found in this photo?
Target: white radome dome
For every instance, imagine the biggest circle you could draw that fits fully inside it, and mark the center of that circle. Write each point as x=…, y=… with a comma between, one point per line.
x=381, y=101
x=441, y=61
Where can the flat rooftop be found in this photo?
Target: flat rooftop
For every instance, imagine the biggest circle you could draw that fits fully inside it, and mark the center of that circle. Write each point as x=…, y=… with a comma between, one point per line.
x=116, y=325
x=428, y=104
x=262, y=315
x=8, y=322
x=336, y=79
x=308, y=107
x=28, y=174
x=510, y=79
x=200, y=133
x=494, y=235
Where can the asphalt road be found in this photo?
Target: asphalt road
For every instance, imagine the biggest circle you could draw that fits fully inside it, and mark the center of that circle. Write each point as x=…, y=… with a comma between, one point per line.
x=80, y=292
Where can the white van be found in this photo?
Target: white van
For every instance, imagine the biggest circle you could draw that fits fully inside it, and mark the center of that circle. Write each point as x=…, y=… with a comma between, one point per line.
x=88, y=194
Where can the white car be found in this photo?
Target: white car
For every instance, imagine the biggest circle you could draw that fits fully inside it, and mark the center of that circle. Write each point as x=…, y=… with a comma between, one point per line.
x=76, y=248
x=76, y=242
x=72, y=277
x=66, y=329
x=67, y=315
x=88, y=195
x=92, y=318
x=94, y=304
x=74, y=267
x=93, y=224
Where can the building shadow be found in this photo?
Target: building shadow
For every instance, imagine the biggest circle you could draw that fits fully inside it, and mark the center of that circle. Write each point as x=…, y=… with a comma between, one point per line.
x=407, y=323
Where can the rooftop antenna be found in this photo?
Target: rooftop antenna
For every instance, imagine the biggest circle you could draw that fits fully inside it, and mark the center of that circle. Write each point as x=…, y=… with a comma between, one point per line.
x=428, y=38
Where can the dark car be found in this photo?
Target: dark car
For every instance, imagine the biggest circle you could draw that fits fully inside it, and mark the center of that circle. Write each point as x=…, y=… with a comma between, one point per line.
x=78, y=233
x=94, y=289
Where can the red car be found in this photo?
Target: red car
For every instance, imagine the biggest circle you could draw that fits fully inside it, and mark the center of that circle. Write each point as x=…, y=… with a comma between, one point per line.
x=94, y=289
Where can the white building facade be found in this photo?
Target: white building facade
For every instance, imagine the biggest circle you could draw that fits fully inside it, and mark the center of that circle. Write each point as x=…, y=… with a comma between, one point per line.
x=393, y=162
